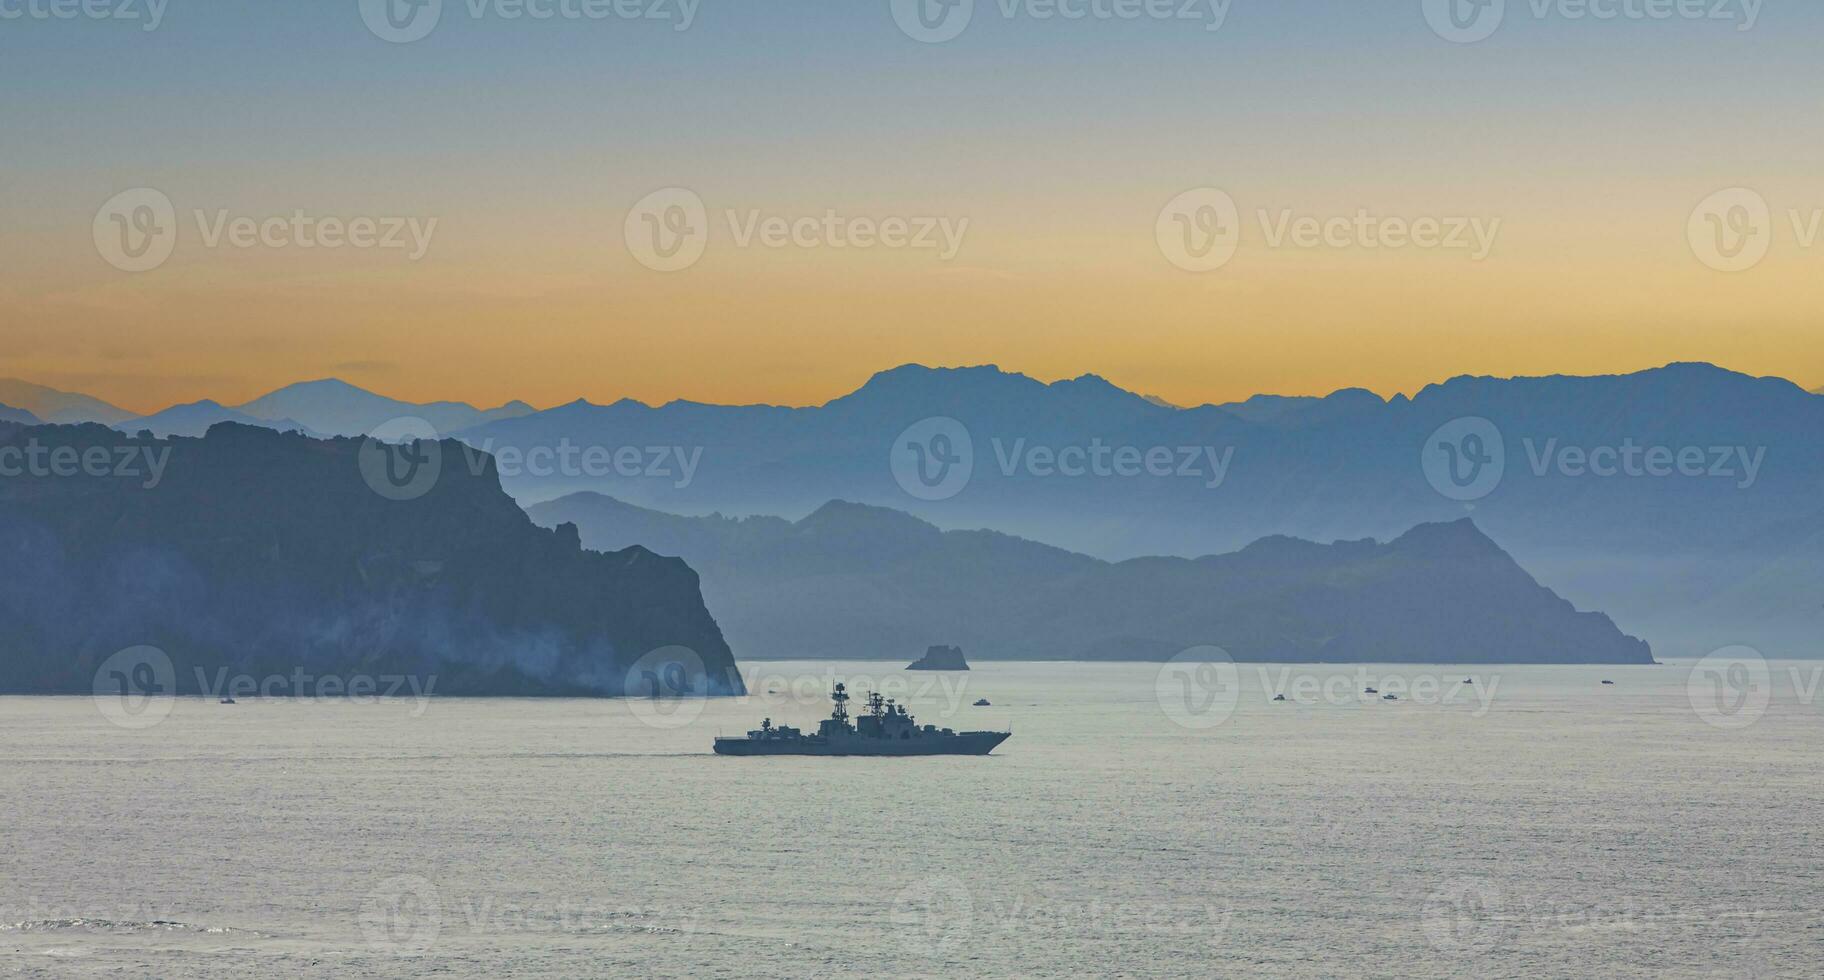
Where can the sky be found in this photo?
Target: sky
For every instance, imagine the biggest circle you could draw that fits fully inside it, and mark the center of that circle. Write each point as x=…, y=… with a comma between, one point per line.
x=739, y=201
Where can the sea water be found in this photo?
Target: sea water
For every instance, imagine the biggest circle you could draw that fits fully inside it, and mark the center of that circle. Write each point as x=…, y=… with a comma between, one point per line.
x=1532, y=823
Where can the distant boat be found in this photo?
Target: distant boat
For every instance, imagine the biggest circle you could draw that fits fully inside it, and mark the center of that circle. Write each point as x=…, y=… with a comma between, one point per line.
x=1610, y=683
x=226, y=701
x=981, y=703
x=1390, y=697
x=1279, y=697
x=1369, y=690
x=1469, y=680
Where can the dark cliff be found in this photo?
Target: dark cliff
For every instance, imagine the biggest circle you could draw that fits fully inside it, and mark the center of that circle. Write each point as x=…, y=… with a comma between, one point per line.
x=269, y=553
x=940, y=658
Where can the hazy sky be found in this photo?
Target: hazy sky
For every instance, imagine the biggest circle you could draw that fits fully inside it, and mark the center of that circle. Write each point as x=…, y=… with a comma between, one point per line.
x=1047, y=148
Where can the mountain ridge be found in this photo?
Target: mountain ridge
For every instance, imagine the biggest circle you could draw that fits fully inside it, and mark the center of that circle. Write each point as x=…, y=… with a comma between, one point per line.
x=851, y=578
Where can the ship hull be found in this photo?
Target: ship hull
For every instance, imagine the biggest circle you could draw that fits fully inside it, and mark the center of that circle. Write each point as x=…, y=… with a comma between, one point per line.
x=963, y=743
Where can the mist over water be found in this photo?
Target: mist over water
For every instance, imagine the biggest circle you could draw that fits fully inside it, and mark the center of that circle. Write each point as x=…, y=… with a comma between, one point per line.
x=1554, y=827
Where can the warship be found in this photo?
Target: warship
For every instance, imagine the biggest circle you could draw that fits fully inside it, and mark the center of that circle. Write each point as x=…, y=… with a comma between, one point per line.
x=885, y=729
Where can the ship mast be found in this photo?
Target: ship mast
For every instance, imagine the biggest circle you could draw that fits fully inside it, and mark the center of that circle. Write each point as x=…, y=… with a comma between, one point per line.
x=841, y=697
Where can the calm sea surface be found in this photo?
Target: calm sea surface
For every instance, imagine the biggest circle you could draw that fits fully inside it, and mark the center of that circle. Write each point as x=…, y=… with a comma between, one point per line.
x=1535, y=823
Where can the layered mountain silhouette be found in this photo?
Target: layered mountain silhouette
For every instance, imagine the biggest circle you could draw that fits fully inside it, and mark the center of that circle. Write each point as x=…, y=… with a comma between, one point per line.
x=264, y=553
x=328, y=407
x=1724, y=547
x=852, y=580
x=51, y=405
x=195, y=419
x=1730, y=550
x=18, y=415
x=337, y=408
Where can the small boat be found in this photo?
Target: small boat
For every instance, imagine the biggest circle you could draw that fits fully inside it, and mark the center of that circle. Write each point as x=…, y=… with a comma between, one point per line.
x=981, y=702
x=1369, y=690
x=1469, y=680
x=1390, y=697
x=1279, y=697
x=1610, y=683
x=226, y=701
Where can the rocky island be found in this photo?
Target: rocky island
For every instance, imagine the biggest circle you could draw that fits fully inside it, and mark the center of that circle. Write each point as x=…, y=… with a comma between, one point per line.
x=940, y=658
x=270, y=553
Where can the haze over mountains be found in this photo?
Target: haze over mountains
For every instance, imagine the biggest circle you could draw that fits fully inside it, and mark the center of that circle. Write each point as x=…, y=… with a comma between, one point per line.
x=322, y=408
x=58, y=407
x=851, y=580
x=338, y=408
x=1683, y=500
x=195, y=419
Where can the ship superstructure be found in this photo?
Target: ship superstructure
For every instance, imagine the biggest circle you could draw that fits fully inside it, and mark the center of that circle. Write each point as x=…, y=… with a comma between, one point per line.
x=884, y=728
